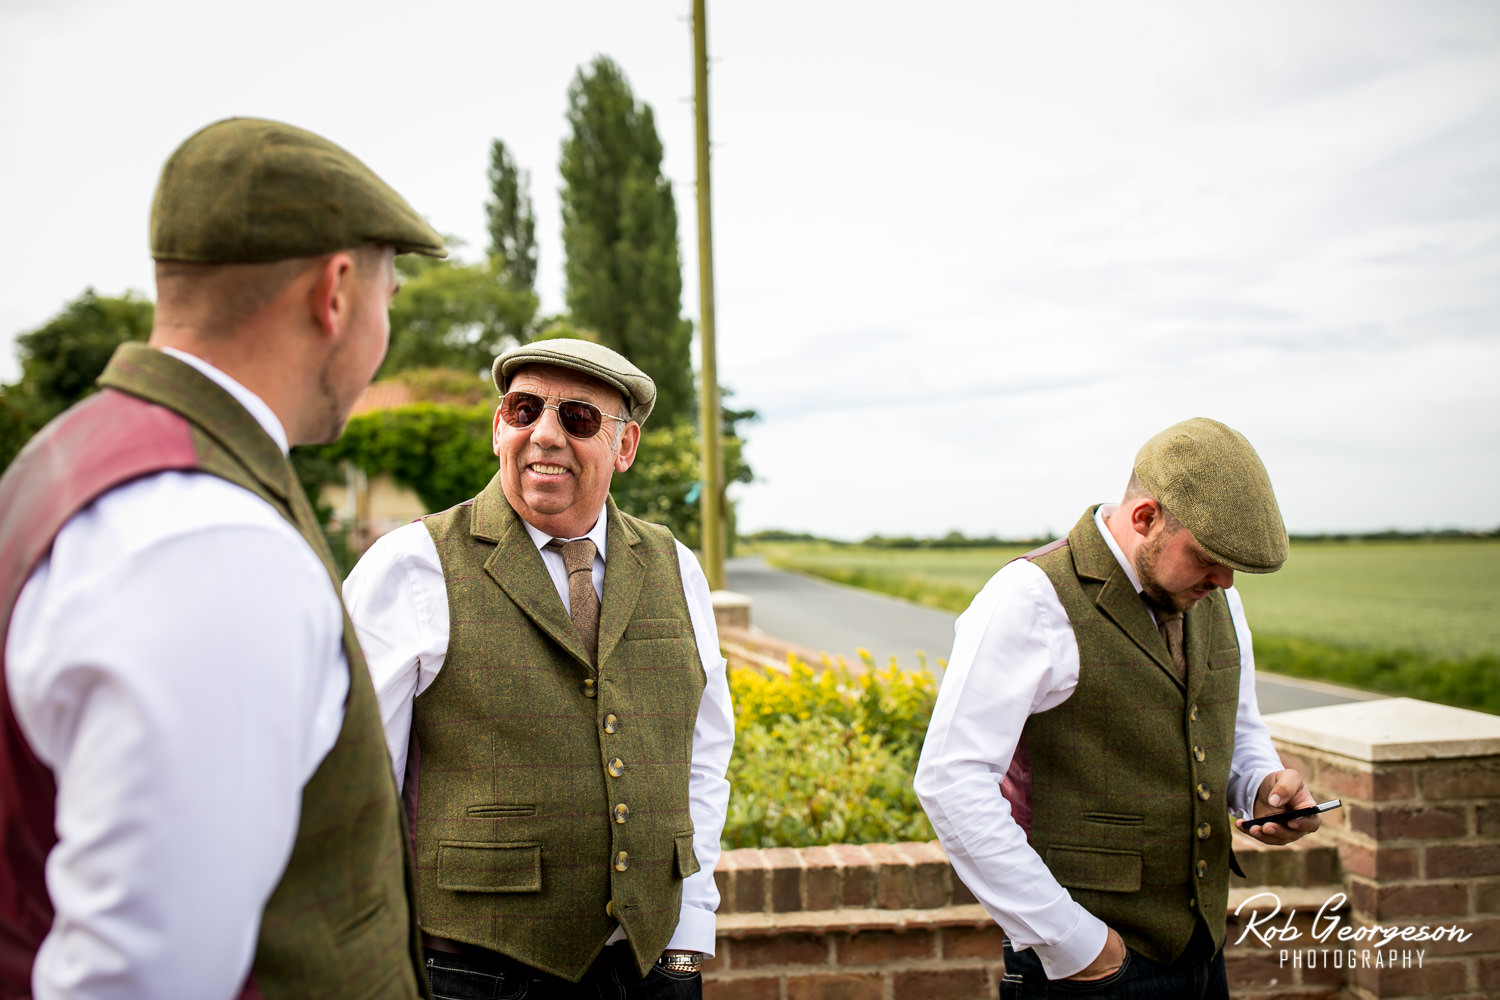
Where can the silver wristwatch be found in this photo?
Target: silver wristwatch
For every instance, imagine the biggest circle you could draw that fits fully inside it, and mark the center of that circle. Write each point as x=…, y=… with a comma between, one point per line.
x=681, y=961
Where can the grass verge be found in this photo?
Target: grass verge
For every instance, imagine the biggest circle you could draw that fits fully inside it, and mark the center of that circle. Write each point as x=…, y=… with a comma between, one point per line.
x=1468, y=682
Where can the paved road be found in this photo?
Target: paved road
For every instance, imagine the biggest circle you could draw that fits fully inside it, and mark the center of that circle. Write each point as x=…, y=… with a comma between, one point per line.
x=841, y=620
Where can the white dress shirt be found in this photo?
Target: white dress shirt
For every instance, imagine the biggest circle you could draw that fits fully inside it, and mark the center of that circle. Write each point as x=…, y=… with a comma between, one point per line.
x=399, y=602
x=1014, y=655
x=176, y=661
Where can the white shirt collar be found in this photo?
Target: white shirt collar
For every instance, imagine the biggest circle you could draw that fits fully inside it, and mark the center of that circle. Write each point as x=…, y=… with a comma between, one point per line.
x=1099, y=516
x=256, y=406
x=595, y=534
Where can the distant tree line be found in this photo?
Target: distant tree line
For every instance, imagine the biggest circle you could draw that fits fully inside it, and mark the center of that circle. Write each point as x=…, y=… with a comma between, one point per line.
x=958, y=540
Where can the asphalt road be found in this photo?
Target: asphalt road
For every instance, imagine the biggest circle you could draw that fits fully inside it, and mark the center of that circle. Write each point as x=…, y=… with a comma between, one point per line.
x=840, y=620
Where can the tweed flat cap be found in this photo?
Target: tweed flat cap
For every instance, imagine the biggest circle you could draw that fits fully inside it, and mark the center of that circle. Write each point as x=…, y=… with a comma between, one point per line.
x=1210, y=478
x=584, y=356
x=247, y=190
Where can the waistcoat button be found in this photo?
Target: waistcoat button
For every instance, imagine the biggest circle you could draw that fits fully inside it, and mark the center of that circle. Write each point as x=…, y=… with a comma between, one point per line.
x=611, y=723
x=622, y=861
x=616, y=767
x=622, y=813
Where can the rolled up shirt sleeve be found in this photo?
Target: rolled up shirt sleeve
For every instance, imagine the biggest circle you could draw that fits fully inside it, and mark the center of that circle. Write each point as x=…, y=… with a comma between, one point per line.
x=398, y=601
x=708, y=789
x=1255, y=755
x=183, y=691
x=1014, y=655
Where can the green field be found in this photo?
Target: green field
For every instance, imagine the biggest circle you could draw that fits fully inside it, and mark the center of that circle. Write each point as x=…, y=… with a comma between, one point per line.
x=1413, y=617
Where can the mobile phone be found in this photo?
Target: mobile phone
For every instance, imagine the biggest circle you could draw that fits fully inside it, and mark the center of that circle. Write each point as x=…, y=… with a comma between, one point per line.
x=1282, y=817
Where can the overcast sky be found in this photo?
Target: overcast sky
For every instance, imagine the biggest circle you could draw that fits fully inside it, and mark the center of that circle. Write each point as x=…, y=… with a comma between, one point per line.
x=969, y=255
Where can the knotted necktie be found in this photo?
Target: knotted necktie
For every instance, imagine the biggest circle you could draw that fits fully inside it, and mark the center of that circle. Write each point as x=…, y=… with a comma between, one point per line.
x=1170, y=625
x=583, y=602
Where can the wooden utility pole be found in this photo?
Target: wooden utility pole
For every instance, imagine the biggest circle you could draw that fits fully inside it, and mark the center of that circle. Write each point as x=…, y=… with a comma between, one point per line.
x=712, y=495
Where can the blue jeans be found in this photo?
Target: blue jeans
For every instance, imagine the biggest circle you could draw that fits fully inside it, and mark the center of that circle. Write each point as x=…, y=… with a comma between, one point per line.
x=1197, y=975
x=613, y=977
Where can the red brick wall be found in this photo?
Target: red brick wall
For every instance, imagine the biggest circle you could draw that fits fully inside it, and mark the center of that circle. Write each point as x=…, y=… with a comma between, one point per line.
x=1416, y=844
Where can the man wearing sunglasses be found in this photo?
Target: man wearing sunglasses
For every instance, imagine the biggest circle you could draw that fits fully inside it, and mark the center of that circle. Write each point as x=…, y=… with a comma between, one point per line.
x=555, y=705
x=1098, y=721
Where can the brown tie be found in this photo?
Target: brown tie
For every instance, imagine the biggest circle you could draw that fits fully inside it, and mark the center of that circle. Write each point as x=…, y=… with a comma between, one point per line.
x=1170, y=624
x=583, y=602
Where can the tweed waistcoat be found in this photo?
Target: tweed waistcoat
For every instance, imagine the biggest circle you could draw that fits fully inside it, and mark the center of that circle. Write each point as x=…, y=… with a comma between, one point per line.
x=553, y=796
x=341, y=922
x=1126, y=800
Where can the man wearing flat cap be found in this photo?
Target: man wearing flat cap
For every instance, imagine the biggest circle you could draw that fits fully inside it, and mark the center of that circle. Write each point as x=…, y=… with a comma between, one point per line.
x=1098, y=723
x=194, y=795
x=555, y=703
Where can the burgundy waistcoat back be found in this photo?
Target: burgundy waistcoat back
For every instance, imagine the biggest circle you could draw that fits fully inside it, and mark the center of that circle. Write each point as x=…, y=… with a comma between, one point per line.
x=103, y=442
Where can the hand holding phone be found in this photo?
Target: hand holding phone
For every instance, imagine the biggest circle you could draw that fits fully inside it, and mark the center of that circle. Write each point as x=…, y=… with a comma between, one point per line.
x=1281, y=818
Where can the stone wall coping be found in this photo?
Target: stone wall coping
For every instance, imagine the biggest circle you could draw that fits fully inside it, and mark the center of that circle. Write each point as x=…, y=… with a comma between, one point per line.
x=1307, y=899
x=728, y=599
x=1390, y=729
x=850, y=920
x=853, y=920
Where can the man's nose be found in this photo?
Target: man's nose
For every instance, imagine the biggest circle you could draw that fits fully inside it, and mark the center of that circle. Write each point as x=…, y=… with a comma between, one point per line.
x=1222, y=577
x=547, y=432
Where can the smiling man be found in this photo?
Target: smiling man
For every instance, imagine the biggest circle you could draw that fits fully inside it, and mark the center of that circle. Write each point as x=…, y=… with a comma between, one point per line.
x=1097, y=723
x=555, y=705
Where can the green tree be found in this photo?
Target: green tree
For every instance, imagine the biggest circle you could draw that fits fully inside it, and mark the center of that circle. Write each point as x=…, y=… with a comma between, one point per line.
x=61, y=359
x=454, y=315
x=619, y=229
x=511, y=222
x=665, y=484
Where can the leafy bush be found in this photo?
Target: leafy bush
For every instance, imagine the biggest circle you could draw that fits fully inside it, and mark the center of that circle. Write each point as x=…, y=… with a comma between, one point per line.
x=439, y=450
x=826, y=756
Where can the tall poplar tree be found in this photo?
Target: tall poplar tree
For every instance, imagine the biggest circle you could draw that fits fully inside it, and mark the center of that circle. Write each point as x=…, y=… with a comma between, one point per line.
x=619, y=229
x=511, y=222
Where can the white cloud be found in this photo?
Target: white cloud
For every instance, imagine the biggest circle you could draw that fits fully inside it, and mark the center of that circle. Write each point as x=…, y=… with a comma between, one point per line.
x=968, y=256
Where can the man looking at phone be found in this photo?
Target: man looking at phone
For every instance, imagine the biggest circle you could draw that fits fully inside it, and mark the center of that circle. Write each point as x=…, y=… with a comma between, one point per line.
x=554, y=699
x=1098, y=720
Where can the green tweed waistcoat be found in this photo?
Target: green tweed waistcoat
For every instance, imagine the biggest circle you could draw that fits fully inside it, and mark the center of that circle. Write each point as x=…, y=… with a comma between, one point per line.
x=553, y=796
x=342, y=920
x=1128, y=775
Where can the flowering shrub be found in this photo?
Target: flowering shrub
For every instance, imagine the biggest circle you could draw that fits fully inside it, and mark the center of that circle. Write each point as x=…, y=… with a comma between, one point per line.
x=826, y=756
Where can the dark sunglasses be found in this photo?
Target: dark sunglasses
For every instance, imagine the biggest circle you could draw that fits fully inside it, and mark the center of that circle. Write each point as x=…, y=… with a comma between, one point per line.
x=579, y=419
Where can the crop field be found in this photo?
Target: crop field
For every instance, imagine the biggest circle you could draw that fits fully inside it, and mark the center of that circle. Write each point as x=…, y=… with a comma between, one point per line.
x=1441, y=597
x=1412, y=617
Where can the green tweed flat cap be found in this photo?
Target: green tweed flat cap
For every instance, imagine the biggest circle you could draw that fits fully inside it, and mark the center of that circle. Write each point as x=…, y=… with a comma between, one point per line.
x=246, y=190
x=587, y=357
x=1210, y=478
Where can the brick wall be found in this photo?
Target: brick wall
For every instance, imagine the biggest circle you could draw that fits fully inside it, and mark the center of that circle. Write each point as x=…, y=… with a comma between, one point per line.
x=892, y=922
x=1417, y=845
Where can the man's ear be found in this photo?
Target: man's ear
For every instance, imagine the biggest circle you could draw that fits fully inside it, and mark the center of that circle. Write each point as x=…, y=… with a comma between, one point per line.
x=332, y=295
x=630, y=440
x=495, y=433
x=1144, y=515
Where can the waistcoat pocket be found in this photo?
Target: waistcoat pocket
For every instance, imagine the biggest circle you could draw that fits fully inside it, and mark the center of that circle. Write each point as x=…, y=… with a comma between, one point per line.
x=500, y=810
x=1094, y=868
x=687, y=861
x=480, y=867
x=656, y=628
